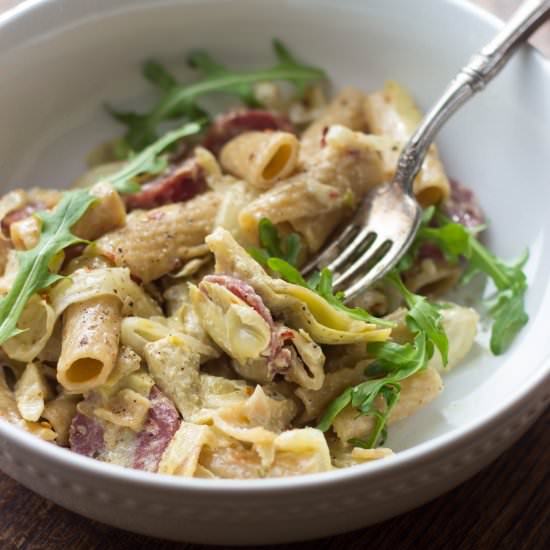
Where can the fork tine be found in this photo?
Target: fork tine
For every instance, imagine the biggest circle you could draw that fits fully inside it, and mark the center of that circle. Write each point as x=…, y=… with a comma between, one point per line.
x=376, y=272
x=365, y=258
x=394, y=253
x=350, y=249
x=329, y=252
x=380, y=232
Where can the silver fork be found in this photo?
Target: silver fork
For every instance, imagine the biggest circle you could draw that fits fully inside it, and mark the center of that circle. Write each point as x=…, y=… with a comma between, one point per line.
x=387, y=220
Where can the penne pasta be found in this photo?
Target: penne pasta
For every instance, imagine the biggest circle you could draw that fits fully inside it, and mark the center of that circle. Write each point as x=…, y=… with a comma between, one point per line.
x=261, y=158
x=104, y=215
x=89, y=348
x=174, y=365
x=345, y=169
x=300, y=451
x=181, y=335
x=155, y=242
x=416, y=391
x=315, y=400
x=346, y=109
x=392, y=113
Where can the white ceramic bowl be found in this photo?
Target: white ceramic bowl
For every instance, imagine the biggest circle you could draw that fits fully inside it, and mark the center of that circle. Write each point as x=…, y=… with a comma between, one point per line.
x=59, y=61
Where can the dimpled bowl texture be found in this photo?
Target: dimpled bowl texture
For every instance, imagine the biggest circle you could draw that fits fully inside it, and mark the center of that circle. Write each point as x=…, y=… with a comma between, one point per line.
x=61, y=60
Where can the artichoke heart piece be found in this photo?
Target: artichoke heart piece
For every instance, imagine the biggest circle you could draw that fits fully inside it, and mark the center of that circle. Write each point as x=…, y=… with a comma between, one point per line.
x=137, y=332
x=236, y=327
x=324, y=323
x=300, y=307
x=307, y=366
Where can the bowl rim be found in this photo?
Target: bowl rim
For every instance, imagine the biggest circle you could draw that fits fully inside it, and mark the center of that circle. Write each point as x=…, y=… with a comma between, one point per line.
x=439, y=446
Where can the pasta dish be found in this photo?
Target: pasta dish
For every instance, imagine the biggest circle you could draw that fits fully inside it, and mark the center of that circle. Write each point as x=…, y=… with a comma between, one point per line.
x=154, y=315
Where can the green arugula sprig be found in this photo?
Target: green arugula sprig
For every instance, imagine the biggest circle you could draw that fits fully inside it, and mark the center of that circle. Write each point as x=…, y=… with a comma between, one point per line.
x=322, y=284
x=34, y=273
x=506, y=306
x=393, y=363
x=159, y=76
x=282, y=257
x=149, y=161
x=272, y=247
x=180, y=100
x=423, y=317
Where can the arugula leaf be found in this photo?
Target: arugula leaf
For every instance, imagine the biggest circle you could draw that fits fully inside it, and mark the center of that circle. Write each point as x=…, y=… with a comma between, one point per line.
x=271, y=246
x=390, y=393
x=180, y=100
x=324, y=289
x=293, y=247
x=158, y=75
x=288, y=273
x=509, y=316
x=507, y=305
x=393, y=362
x=314, y=279
x=148, y=161
x=34, y=273
x=400, y=361
x=423, y=317
x=391, y=356
x=282, y=259
x=335, y=407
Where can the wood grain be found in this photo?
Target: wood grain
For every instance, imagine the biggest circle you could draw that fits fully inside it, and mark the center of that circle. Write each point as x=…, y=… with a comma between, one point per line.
x=506, y=506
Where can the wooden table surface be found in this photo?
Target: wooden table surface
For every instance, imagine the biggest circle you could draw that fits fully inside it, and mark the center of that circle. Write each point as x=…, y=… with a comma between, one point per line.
x=506, y=506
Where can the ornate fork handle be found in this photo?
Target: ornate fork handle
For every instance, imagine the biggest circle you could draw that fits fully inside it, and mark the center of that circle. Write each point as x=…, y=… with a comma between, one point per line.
x=473, y=77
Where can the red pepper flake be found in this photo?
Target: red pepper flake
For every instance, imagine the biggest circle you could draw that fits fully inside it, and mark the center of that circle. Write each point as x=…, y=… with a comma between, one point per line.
x=156, y=216
x=110, y=256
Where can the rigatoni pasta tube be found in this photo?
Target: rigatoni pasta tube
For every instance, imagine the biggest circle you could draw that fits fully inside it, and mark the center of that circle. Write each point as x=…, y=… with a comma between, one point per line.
x=261, y=158
x=155, y=242
x=346, y=168
x=416, y=391
x=91, y=332
x=106, y=214
x=346, y=109
x=392, y=112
